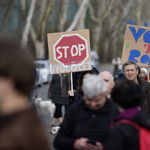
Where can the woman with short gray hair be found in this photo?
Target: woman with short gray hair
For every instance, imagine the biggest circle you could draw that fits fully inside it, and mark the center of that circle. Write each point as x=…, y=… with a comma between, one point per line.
x=86, y=124
x=93, y=86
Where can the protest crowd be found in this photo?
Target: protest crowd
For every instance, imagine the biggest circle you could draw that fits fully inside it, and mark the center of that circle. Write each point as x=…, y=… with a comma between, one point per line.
x=101, y=114
x=103, y=111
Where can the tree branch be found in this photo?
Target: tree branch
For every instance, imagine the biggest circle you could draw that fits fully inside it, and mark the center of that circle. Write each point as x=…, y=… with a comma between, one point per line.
x=102, y=15
x=43, y=21
x=62, y=15
x=105, y=15
x=91, y=11
x=126, y=11
x=43, y=5
x=28, y=21
x=23, y=8
x=76, y=18
x=33, y=33
x=6, y=15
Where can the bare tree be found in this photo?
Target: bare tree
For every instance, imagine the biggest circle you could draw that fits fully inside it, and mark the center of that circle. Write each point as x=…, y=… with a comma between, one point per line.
x=38, y=36
x=97, y=19
x=116, y=24
x=6, y=15
x=139, y=13
x=81, y=21
x=77, y=15
x=23, y=8
x=127, y=7
x=27, y=25
x=42, y=11
x=62, y=15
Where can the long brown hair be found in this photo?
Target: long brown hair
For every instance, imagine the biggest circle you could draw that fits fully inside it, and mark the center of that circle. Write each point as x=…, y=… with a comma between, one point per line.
x=80, y=79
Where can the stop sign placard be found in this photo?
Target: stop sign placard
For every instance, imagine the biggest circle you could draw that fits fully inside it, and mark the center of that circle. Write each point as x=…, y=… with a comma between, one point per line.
x=70, y=49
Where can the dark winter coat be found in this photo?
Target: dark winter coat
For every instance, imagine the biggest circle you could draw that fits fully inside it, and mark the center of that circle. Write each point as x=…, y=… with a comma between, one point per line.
x=145, y=88
x=76, y=76
x=22, y=131
x=120, y=76
x=125, y=136
x=80, y=121
x=59, y=87
x=77, y=96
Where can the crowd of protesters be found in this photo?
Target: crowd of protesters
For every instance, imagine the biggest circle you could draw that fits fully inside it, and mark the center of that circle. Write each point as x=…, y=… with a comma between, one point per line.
x=94, y=121
x=105, y=113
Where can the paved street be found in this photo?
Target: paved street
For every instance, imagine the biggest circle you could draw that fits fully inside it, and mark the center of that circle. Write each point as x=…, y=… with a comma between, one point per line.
x=45, y=116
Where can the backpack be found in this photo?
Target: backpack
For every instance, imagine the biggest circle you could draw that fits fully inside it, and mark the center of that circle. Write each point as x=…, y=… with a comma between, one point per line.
x=144, y=134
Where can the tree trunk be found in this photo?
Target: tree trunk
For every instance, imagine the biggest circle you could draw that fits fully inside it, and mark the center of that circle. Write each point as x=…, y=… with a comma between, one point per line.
x=40, y=49
x=106, y=47
x=6, y=15
x=139, y=13
x=101, y=15
x=77, y=16
x=27, y=26
x=23, y=8
x=62, y=15
x=115, y=40
x=39, y=45
x=81, y=22
x=38, y=37
x=42, y=10
x=43, y=21
x=95, y=36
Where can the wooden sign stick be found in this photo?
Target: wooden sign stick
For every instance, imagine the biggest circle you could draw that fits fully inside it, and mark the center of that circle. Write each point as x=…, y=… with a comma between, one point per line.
x=71, y=82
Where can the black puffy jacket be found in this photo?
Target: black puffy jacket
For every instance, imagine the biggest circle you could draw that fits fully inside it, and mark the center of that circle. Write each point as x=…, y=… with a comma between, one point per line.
x=126, y=136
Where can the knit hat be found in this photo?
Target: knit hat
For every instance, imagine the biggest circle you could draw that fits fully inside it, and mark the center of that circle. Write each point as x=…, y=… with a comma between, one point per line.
x=145, y=70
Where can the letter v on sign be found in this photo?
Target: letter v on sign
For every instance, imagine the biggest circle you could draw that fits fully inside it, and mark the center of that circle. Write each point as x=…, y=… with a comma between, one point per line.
x=138, y=34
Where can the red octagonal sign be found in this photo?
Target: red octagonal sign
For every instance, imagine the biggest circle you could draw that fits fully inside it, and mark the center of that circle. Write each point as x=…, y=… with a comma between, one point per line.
x=70, y=49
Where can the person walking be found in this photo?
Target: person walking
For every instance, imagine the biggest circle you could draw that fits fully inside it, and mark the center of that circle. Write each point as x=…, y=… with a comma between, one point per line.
x=120, y=76
x=130, y=69
x=125, y=135
x=86, y=124
x=116, y=62
x=58, y=92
